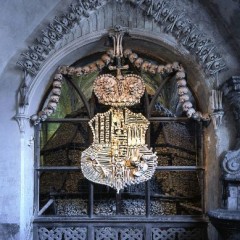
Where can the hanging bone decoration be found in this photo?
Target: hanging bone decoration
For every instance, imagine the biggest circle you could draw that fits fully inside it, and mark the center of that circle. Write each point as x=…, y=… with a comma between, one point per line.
x=51, y=106
x=118, y=155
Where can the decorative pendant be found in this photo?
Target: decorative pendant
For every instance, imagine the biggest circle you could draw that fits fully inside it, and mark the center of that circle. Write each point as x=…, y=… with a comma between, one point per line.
x=118, y=155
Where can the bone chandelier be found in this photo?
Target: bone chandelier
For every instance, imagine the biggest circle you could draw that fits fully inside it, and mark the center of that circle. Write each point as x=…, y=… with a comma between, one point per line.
x=118, y=155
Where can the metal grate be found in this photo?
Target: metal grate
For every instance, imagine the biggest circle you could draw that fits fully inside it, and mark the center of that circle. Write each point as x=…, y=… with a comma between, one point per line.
x=62, y=233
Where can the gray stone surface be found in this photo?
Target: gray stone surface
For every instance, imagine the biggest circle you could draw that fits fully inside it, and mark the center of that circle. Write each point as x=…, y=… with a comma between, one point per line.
x=9, y=231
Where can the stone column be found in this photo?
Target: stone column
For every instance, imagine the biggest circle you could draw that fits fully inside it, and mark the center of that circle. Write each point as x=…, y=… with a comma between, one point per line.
x=227, y=219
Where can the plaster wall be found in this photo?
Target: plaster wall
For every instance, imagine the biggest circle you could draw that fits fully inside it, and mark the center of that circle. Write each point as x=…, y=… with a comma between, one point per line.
x=18, y=20
x=21, y=21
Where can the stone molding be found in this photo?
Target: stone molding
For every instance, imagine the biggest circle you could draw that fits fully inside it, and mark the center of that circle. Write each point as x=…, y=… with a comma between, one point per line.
x=173, y=21
x=82, y=18
x=231, y=162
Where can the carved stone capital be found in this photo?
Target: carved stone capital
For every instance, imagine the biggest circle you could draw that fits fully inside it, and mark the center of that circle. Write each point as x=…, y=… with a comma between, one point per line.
x=21, y=119
x=231, y=90
x=231, y=165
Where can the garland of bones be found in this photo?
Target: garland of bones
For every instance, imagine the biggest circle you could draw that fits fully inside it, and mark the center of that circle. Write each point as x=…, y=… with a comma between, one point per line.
x=139, y=63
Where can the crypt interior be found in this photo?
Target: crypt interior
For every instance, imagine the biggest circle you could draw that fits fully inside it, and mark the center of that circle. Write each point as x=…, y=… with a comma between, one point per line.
x=120, y=120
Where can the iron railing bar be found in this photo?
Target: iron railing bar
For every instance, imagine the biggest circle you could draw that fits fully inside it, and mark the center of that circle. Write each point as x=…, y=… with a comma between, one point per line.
x=168, y=119
x=60, y=120
x=46, y=206
x=37, y=130
x=179, y=168
x=91, y=199
x=56, y=168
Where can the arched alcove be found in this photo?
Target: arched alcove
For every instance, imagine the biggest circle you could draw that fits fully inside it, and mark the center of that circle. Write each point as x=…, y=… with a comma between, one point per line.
x=146, y=36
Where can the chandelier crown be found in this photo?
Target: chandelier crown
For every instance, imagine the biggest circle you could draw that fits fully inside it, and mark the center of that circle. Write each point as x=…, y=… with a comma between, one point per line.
x=119, y=91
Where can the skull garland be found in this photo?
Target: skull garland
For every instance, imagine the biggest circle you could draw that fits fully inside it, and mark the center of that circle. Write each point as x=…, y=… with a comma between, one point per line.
x=180, y=78
x=51, y=106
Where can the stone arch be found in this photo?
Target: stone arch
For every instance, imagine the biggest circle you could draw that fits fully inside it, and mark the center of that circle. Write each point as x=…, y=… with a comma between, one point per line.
x=156, y=24
x=88, y=38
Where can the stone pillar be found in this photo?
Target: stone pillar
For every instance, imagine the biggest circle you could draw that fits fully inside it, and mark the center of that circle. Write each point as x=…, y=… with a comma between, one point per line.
x=227, y=219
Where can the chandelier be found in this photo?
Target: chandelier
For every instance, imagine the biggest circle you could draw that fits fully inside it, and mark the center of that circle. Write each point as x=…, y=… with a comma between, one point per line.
x=118, y=156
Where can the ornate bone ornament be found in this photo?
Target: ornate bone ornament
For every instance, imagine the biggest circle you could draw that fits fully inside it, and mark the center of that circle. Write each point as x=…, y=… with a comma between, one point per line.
x=121, y=91
x=118, y=155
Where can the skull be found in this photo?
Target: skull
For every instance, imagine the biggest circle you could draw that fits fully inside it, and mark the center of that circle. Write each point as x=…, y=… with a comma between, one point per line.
x=181, y=83
x=52, y=105
x=153, y=68
x=56, y=91
x=106, y=59
x=86, y=69
x=93, y=67
x=182, y=90
x=71, y=16
x=168, y=68
x=78, y=10
x=28, y=64
x=52, y=35
x=160, y=69
x=145, y=66
x=183, y=98
x=127, y=53
x=180, y=75
x=33, y=56
x=179, y=24
x=48, y=111
x=45, y=41
x=110, y=53
x=58, y=76
x=193, y=37
x=197, y=116
x=133, y=88
x=109, y=86
x=190, y=112
x=187, y=29
x=39, y=49
x=186, y=106
x=176, y=66
x=212, y=56
x=132, y=57
x=42, y=115
x=54, y=98
x=100, y=64
x=165, y=12
x=58, y=28
x=138, y=62
x=205, y=51
x=64, y=21
x=78, y=71
x=201, y=43
x=71, y=71
x=172, y=17
x=57, y=84
x=63, y=69
x=34, y=117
